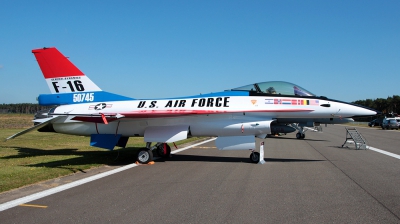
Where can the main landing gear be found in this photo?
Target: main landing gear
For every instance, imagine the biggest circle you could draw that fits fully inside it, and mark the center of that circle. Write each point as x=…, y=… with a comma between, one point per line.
x=145, y=155
x=300, y=127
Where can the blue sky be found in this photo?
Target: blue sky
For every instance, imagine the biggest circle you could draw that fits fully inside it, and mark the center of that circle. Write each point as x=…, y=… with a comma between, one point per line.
x=345, y=50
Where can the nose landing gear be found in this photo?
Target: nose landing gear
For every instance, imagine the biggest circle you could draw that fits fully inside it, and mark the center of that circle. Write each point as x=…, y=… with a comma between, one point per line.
x=300, y=128
x=300, y=135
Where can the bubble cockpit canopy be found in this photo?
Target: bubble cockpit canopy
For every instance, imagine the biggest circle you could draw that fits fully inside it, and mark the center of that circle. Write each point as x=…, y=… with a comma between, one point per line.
x=276, y=88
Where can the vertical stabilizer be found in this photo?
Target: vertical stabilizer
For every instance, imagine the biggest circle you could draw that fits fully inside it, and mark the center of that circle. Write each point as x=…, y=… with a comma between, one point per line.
x=61, y=75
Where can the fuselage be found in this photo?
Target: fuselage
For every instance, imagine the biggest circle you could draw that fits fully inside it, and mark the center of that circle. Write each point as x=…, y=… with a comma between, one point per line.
x=219, y=114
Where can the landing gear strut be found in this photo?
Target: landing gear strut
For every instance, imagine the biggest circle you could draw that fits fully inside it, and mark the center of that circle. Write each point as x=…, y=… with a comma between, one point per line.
x=256, y=157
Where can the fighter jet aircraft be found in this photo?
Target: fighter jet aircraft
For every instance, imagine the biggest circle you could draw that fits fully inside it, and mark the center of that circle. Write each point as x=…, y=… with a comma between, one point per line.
x=235, y=117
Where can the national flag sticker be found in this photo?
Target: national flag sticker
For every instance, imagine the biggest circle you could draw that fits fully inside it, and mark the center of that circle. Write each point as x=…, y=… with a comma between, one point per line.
x=269, y=101
x=314, y=102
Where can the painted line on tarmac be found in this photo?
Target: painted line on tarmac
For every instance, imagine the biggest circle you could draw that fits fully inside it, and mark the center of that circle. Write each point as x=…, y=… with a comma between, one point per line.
x=384, y=152
x=380, y=151
x=34, y=206
x=64, y=187
x=190, y=146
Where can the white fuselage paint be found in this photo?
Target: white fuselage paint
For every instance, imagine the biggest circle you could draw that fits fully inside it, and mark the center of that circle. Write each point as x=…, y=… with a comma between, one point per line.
x=209, y=116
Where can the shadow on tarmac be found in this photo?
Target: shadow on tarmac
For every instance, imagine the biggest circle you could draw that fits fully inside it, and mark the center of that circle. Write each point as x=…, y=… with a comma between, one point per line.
x=118, y=157
x=289, y=138
x=186, y=158
x=346, y=147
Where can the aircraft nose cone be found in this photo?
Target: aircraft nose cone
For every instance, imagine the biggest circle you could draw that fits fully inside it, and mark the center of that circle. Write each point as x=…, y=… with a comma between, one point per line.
x=356, y=111
x=365, y=112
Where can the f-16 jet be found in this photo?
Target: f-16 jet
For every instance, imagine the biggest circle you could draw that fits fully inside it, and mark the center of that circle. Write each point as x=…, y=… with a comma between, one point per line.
x=235, y=117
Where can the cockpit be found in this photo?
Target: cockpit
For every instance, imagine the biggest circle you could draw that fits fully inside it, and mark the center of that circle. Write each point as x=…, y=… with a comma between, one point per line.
x=275, y=88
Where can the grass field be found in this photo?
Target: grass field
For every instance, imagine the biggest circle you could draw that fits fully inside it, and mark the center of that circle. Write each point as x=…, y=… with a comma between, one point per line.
x=37, y=156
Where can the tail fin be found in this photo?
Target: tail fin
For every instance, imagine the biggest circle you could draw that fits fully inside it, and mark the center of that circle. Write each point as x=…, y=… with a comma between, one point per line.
x=61, y=75
x=67, y=83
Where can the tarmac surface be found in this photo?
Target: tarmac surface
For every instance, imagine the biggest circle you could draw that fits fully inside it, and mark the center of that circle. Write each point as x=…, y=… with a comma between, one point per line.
x=303, y=181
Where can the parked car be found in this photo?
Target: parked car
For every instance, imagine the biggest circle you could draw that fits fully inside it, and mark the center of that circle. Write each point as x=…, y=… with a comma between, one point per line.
x=375, y=122
x=390, y=123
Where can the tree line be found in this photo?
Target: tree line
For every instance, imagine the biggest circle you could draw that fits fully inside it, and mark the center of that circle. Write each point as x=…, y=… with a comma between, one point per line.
x=22, y=108
x=389, y=106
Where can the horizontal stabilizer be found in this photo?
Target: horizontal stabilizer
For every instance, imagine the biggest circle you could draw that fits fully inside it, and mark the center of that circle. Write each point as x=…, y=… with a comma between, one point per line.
x=46, y=122
x=105, y=141
x=235, y=143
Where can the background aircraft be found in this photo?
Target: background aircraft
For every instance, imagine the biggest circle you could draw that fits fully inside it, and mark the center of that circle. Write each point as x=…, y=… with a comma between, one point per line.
x=234, y=116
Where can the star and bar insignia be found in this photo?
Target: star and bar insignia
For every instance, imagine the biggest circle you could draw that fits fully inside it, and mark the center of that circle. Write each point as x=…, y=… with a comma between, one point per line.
x=100, y=106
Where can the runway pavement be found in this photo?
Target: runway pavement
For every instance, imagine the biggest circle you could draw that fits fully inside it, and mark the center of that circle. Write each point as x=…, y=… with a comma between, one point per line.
x=303, y=181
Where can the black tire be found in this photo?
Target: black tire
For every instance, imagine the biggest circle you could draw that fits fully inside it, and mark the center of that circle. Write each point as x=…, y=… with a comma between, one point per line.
x=298, y=136
x=145, y=156
x=255, y=157
x=160, y=151
x=303, y=136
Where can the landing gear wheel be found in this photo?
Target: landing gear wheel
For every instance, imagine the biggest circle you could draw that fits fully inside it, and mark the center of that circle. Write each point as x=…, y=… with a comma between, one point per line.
x=300, y=135
x=160, y=151
x=255, y=157
x=145, y=156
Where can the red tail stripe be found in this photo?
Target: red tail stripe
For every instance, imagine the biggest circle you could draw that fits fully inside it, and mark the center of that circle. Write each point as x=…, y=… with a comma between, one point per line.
x=54, y=64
